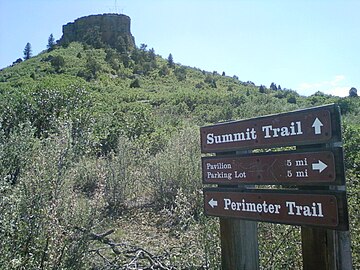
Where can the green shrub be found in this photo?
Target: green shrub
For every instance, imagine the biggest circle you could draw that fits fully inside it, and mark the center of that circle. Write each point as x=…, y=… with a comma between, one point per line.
x=276, y=250
x=135, y=83
x=351, y=137
x=41, y=214
x=57, y=63
x=15, y=150
x=126, y=175
x=177, y=168
x=180, y=73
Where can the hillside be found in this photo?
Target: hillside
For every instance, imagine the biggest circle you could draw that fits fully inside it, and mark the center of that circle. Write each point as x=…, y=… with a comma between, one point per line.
x=96, y=137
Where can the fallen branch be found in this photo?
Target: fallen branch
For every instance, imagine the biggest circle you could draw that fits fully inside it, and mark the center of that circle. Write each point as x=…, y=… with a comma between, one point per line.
x=136, y=255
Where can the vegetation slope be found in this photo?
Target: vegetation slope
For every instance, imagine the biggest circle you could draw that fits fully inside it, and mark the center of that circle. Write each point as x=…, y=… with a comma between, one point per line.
x=93, y=140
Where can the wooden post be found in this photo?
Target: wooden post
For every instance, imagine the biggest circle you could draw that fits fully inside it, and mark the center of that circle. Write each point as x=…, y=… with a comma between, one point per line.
x=317, y=249
x=325, y=249
x=239, y=245
x=344, y=254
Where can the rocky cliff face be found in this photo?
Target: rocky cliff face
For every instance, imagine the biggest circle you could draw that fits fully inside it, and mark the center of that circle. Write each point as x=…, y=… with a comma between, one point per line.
x=100, y=30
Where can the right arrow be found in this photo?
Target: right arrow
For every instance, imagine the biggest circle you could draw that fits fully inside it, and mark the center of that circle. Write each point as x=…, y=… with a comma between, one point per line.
x=320, y=166
x=317, y=126
x=213, y=203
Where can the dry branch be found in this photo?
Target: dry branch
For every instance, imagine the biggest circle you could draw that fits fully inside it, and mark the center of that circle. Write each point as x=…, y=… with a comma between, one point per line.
x=139, y=257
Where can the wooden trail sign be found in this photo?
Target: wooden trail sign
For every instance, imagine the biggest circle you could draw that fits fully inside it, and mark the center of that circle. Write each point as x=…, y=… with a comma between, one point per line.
x=327, y=210
x=316, y=168
x=304, y=127
x=296, y=168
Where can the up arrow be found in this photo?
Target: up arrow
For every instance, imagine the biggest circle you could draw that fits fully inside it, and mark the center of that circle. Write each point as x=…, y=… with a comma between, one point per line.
x=213, y=203
x=320, y=166
x=317, y=126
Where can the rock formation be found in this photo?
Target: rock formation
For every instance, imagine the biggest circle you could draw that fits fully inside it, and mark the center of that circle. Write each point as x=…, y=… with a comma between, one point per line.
x=100, y=30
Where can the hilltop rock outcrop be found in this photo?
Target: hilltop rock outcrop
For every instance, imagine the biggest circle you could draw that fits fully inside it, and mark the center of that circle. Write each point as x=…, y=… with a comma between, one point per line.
x=100, y=30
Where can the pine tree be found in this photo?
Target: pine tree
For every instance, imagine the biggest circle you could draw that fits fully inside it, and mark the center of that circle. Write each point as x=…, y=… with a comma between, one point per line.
x=51, y=42
x=27, y=51
x=152, y=54
x=262, y=89
x=273, y=86
x=170, y=60
x=143, y=47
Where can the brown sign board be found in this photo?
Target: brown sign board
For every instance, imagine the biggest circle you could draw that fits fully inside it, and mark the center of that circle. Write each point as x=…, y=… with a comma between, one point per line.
x=316, y=125
x=327, y=210
x=294, y=168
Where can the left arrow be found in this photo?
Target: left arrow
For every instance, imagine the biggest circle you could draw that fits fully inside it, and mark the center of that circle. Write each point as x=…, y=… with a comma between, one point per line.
x=213, y=203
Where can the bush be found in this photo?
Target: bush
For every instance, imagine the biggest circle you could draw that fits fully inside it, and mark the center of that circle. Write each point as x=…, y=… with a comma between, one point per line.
x=351, y=137
x=211, y=81
x=15, y=150
x=177, y=168
x=57, y=63
x=291, y=100
x=276, y=250
x=135, y=83
x=164, y=71
x=180, y=73
x=125, y=177
x=41, y=215
x=262, y=89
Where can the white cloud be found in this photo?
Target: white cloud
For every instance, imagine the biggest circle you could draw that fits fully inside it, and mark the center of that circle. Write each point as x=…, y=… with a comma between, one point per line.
x=337, y=79
x=338, y=86
x=341, y=91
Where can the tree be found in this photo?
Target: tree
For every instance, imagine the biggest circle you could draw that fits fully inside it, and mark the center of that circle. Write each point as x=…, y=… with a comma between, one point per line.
x=262, y=89
x=51, y=42
x=170, y=60
x=19, y=60
x=273, y=86
x=291, y=99
x=93, y=37
x=57, y=63
x=211, y=81
x=143, y=47
x=180, y=73
x=152, y=55
x=164, y=70
x=93, y=66
x=135, y=83
x=353, y=92
x=120, y=44
x=27, y=51
x=136, y=56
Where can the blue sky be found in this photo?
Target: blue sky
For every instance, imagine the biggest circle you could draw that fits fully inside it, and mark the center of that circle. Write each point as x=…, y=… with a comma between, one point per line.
x=304, y=45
